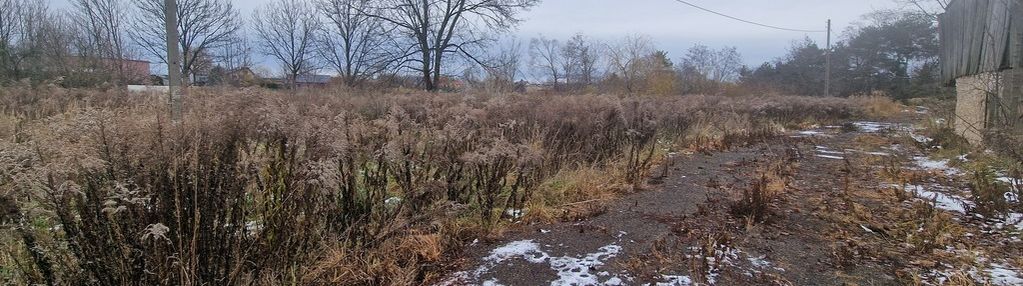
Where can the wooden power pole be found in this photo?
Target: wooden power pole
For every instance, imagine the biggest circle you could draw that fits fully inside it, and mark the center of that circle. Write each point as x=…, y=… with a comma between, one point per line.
x=173, y=59
x=827, y=64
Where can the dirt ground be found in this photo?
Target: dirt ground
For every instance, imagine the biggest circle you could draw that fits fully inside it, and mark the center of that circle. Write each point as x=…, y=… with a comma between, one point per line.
x=832, y=218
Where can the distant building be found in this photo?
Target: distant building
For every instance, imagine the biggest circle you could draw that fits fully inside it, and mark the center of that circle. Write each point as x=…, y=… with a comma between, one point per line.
x=313, y=80
x=243, y=77
x=982, y=54
x=134, y=71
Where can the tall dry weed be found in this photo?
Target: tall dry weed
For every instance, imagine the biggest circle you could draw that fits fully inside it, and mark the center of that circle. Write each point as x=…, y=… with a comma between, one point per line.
x=255, y=187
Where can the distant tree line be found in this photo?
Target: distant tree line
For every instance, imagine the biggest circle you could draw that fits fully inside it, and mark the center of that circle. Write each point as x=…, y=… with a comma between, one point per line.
x=357, y=39
x=434, y=44
x=892, y=52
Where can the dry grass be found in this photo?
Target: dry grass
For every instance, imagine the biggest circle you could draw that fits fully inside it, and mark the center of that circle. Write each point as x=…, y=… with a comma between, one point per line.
x=772, y=182
x=879, y=105
x=255, y=187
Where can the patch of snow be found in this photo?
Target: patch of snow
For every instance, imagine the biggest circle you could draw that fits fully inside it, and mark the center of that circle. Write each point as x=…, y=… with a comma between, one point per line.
x=929, y=164
x=675, y=280
x=811, y=133
x=882, y=154
x=515, y=213
x=759, y=262
x=1015, y=220
x=1011, y=197
x=492, y=282
x=526, y=249
x=943, y=201
x=392, y=201
x=831, y=157
x=1013, y=182
x=875, y=127
x=576, y=271
x=570, y=270
x=1003, y=275
x=920, y=138
x=614, y=281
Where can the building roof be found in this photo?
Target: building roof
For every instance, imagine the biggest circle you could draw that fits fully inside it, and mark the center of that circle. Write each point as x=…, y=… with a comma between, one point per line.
x=979, y=36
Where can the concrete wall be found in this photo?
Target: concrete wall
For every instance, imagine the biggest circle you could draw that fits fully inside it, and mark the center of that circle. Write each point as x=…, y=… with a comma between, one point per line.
x=989, y=102
x=148, y=89
x=972, y=104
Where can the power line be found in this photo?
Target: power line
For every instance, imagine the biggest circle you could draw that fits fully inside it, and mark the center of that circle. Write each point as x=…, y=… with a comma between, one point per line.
x=748, y=21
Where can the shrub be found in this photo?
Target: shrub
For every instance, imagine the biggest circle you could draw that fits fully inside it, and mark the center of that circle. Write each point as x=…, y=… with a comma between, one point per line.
x=258, y=187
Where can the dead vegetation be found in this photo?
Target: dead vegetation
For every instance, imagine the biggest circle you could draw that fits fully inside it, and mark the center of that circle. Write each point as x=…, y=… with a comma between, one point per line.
x=264, y=188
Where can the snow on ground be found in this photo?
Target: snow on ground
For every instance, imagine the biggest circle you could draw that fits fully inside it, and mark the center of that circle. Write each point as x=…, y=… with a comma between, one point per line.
x=824, y=152
x=991, y=272
x=1002, y=274
x=675, y=280
x=723, y=256
x=928, y=164
x=940, y=200
x=811, y=133
x=570, y=270
x=577, y=271
x=920, y=138
x=1012, y=182
x=759, y=262
x=1015, y=220
x=876, y=127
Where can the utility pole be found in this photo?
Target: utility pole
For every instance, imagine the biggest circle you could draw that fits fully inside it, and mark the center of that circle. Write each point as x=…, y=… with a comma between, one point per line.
x=827, y=64
x=173, y=59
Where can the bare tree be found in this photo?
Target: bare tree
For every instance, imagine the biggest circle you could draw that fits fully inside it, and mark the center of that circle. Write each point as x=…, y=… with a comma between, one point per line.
x=506, y=64
x=727, y=63
x=203, y=26
x=353, y=43
x=10, y=14
x=628, y=61
x=703, y=69
x=545, y=57
x=699, y=58
x=286, y=30
x=235, y=54
x=32, y=40
x=101, y=36
x=931, y=8
x=580, y=61
x=437, y=28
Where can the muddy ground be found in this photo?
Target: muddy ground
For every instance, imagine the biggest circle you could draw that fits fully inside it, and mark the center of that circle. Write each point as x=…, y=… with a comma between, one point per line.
x=858, y=204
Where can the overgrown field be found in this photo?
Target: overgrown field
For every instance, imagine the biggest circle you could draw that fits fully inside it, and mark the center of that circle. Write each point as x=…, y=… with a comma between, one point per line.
x=255, y=187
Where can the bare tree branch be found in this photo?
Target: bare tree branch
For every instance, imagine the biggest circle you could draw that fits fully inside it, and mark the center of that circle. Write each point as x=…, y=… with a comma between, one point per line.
x=203, y=25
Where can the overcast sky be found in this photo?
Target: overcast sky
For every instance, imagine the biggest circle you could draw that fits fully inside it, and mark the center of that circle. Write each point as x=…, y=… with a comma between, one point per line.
x=675, y=27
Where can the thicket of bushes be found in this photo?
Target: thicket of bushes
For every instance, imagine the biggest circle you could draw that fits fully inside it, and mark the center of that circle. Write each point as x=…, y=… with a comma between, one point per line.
x=267, y=188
